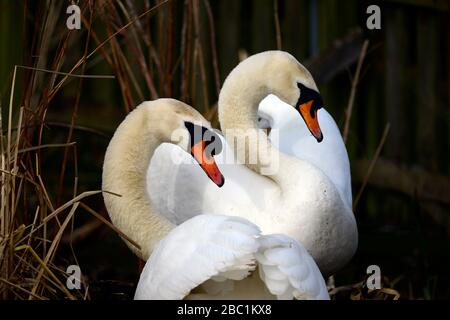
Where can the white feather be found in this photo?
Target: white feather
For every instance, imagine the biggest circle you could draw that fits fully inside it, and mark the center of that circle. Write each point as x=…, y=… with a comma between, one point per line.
x=288, y=270
x=192, y=253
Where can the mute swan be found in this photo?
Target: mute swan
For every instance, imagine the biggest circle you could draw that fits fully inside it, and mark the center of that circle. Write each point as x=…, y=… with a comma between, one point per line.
x=206, y=247
x=297, y=199
x=126, y=160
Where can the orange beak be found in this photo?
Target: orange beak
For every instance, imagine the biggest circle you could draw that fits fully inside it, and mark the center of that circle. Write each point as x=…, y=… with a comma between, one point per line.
x=309, y=115
x=207, y=163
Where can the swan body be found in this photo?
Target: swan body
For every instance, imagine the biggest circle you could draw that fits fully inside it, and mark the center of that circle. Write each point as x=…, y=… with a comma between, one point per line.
x=213, y=254
x=297, y=199
x=259, y=200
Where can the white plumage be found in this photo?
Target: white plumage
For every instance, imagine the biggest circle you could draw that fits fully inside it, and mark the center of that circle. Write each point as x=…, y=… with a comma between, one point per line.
x=288, y=270
x=302, y=208
x=214, y=251
x=290, y=135
x=203, y=247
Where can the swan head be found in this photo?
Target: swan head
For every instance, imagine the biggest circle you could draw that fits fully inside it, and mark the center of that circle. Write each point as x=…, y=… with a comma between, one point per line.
x=292, y=83
x=278, y=73
x=177, y=123
x=204, y=144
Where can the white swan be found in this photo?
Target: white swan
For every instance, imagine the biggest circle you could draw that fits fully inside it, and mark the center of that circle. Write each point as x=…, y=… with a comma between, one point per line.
x=298, y=199
x=127, y=158
x=207, y=247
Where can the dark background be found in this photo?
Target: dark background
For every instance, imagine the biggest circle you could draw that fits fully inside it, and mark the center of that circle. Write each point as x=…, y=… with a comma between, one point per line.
x=185, y=49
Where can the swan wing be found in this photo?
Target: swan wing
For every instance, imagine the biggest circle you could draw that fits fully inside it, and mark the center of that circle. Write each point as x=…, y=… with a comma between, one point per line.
x=202, y=248
x=288, y=270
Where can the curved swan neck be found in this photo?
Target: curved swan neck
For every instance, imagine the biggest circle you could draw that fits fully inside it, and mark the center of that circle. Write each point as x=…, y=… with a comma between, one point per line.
x=239, y=99
x=238, y=107
x=126, y=161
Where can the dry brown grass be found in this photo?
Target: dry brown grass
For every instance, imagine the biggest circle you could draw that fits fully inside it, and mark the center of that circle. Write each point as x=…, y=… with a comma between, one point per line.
x=35, y=217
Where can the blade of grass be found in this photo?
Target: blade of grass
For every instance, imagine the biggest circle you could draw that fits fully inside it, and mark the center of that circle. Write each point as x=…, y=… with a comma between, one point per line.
x=66, y=205
x=74, y=113
x=81, y=61
x=199, y=54
x=212, y=34
x=277, y=24
x=349, y=110
x=22, y=289
x=44, y=146
x=45, y=268
x=372, y=164
x=52, y=250
x=85, y=76
x=109, y=224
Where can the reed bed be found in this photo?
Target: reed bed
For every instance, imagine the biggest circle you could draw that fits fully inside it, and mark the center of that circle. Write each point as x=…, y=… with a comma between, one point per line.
x=138, y=44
